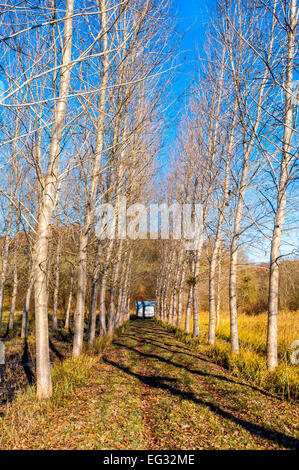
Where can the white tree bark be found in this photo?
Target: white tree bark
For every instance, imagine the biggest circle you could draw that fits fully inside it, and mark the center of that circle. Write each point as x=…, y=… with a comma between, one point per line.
x=5, y=264
x=56, y=287
x=69, y=303
x=89, y=213
x=195, y=297
x=43, y=371
x=248, y=142
x=272, y=358
x=218, y=290
x=103, y=329
x=189, y=307
x=25, y=316
x=218, y=238
x=123, y=303
x=181, y=293
x=114, y=287
x=14, y=292
x=94, y=298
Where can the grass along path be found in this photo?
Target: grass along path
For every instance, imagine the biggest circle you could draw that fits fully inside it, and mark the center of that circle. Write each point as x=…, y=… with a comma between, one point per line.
x=150, y=391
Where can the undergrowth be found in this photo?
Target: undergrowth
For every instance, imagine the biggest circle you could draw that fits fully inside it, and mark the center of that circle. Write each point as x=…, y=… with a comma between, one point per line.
x=250, y=363
x=67, y=377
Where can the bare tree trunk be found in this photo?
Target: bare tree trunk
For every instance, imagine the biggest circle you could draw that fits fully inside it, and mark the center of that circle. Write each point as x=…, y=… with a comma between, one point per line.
x=56, y=287
x=249, y=135
x=115, y=279
x=180, y=295
x=160, y=286
x=69, y=303
x=188, y=309
x=14, y=293
x=272, y=357
x=175, y=308
x=94, y=298
x=176, y=288
x=81, y=294
x=196, y=294
x=212, y=300
x=103, y=329
x=234, y=337
x=82, y=265
x=171, y=300
x=122, y=307
x=93, y=310
x=43, y=370
x=168, y=302
x=247, y=149
x=218, y=239
x=4, y=264
x=218, y=293
x=121, y=295
x=25, y=316
x=163, y=291
x=163, y=302
x=128, y=307
x=195, y=313
x=158, y=297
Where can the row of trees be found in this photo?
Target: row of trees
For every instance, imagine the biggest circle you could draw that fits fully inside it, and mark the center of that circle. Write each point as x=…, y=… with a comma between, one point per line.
x=83, y=100
x=80, y=125
x=252, y=285
x=236, y=155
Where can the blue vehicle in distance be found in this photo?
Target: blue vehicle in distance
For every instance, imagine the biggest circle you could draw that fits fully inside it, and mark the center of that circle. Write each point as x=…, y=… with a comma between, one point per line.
x=145, y=309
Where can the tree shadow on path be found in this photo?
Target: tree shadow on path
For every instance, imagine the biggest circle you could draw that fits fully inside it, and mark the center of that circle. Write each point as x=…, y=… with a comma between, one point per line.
x=193, y=371
x=158, y=382
x=167, y=346
x=27, y=364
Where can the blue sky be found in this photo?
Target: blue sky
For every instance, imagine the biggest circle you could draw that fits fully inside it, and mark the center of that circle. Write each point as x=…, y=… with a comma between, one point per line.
x=193, y=18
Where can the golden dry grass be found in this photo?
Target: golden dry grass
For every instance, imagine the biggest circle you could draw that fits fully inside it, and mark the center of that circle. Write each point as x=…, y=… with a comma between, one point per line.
x=250, y=364
x=148, y=391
